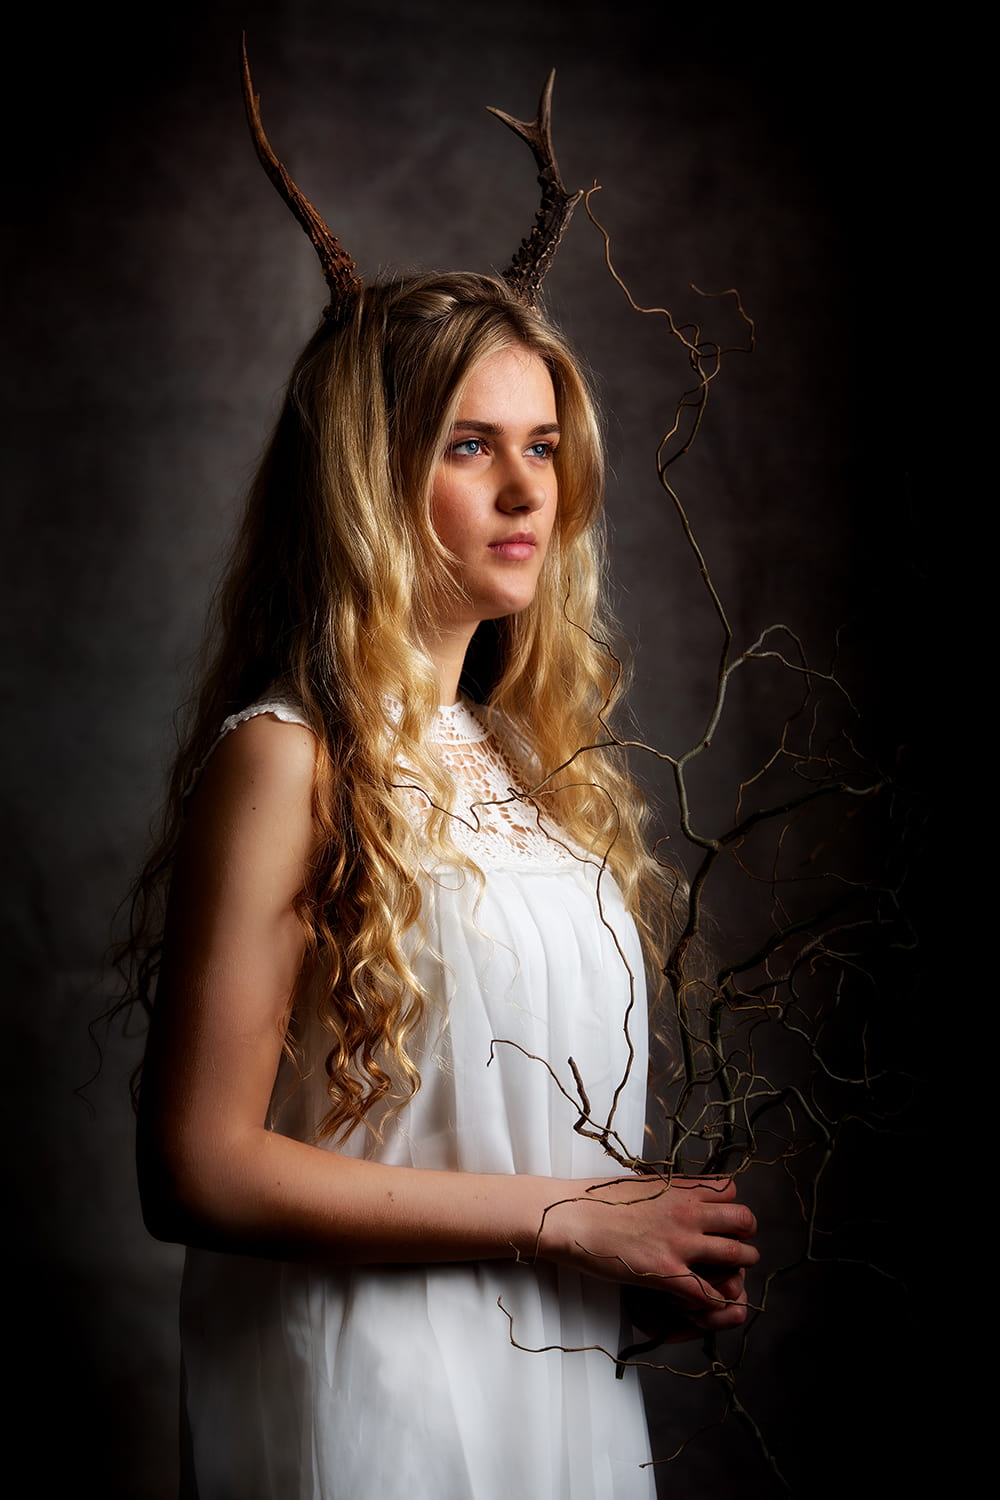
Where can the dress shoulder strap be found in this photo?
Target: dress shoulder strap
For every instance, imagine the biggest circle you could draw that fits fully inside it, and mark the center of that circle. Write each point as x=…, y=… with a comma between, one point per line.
x=285, y=709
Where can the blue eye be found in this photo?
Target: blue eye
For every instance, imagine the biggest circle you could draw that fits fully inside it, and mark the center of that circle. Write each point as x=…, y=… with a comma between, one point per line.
x=541, y=450
x=468, y=447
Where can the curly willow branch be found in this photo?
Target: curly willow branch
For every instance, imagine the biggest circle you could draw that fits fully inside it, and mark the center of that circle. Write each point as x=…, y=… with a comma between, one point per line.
x=772, y=1055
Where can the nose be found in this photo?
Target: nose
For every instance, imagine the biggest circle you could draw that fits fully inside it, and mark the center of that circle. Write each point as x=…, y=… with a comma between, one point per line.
x=524, y=487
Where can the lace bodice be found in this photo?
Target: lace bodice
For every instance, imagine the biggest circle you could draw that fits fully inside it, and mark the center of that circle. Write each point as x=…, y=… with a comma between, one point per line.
x=493, y=822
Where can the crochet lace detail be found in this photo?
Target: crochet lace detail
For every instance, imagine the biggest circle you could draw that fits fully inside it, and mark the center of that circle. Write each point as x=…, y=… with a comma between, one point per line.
x=492, y=822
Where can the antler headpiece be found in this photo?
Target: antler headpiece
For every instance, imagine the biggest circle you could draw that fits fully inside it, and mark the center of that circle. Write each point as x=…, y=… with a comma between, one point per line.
x=533, y=257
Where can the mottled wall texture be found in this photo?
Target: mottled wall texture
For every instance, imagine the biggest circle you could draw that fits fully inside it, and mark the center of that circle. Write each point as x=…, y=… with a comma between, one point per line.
x=156, y=294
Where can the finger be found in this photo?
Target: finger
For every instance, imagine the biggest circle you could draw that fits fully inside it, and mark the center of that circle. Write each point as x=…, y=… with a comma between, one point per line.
x=717, y=1293
x=727, y=1288
x=716, y=1251
x=707, y=1209
x=733, y=1219
x=721, y=1319
x=701, y=1290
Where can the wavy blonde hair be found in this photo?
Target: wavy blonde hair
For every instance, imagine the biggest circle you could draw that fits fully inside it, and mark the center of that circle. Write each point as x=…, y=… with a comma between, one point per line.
x=328, y=594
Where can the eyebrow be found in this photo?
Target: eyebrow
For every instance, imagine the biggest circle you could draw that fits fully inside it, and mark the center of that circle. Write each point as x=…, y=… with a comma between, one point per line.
x=494, y=429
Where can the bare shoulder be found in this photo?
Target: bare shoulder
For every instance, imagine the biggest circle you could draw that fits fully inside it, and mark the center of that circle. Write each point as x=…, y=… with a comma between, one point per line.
x=256, y=789
x=265, y=749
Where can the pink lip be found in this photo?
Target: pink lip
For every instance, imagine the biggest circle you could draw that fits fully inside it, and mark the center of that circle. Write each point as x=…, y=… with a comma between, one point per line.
x=518, y=548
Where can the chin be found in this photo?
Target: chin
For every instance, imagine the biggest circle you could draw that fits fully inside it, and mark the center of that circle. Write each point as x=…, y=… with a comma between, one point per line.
x=508, y=601
x=501, y=609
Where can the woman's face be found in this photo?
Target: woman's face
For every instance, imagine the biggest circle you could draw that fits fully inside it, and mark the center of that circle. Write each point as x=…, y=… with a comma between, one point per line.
x=493, y=501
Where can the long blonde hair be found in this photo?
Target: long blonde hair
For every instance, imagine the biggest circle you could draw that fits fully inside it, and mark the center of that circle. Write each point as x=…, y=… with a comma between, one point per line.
x=330, y=587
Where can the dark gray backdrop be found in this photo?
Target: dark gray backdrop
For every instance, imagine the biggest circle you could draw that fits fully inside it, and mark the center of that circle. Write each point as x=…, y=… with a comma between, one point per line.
x=157, y=293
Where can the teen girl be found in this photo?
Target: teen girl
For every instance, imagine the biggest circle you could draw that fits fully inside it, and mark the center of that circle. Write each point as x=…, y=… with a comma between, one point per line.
x=394, y=1091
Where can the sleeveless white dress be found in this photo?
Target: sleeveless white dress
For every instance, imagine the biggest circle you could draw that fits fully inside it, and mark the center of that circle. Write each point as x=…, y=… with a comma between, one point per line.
x=371, y=1383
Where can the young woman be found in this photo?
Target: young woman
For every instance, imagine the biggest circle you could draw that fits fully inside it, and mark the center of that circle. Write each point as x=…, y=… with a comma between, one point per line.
x=394, y=1088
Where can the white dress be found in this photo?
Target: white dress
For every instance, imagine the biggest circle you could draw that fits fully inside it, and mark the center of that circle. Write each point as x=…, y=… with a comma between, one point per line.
x=371, y=1383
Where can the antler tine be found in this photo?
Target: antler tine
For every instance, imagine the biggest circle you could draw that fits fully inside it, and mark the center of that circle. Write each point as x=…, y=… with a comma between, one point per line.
x=338, y=267
x=534, y=255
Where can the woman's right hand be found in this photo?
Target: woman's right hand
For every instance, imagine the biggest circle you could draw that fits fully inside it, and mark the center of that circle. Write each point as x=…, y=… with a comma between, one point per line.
x=685, y=1236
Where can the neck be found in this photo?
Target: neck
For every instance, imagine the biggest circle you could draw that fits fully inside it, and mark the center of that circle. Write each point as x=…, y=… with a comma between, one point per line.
x=446, y=649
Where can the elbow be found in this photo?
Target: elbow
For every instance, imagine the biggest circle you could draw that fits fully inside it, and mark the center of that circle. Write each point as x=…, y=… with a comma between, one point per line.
x=177, y=1204
x=205, y=1196
x=166, y=1206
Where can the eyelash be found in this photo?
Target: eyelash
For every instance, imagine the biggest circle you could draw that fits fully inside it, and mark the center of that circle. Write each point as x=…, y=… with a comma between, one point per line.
x=548, y=449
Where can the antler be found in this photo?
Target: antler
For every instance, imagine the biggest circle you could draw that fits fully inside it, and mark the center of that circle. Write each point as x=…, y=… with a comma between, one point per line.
x=534, y=255
x=338, y=267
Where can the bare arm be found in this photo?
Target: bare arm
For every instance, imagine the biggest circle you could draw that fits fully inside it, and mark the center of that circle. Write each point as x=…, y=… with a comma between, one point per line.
x=211, y=1173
